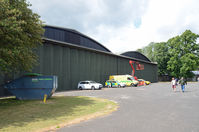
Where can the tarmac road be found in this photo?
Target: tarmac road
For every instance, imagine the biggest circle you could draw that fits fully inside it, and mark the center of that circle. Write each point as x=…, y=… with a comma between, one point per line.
x=153, y=108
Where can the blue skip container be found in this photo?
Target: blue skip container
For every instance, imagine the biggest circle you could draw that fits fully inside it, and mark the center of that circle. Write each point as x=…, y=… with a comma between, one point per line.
x=32, y=87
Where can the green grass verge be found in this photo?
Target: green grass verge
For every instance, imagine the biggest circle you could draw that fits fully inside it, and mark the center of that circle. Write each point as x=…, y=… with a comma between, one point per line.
x=29, y=116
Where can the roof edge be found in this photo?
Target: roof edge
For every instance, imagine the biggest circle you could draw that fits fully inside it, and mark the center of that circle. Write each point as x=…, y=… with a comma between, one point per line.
x=79, y=33
x=138, y=53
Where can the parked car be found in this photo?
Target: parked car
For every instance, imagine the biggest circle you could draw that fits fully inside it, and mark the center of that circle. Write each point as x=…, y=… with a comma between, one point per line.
x=144, y=81
x=127, y=79
x=141, y=82
x=89, y=85
x=113, y=83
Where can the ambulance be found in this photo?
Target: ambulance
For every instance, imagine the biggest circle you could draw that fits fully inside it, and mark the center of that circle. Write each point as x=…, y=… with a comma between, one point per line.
x=127, y=79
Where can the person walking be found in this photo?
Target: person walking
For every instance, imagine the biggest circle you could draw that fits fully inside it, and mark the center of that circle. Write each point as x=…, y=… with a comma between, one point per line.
x=182, y=82
x=173, y=84
x=176, y=81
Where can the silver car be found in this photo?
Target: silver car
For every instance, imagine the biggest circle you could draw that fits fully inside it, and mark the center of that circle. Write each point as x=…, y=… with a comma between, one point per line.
x=89, y=85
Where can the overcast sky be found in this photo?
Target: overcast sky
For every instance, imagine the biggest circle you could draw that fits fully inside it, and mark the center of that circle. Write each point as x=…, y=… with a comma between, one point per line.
x=122, y=25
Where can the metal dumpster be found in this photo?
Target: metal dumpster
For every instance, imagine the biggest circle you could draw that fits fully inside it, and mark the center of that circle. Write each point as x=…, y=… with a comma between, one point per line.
x=32, y=86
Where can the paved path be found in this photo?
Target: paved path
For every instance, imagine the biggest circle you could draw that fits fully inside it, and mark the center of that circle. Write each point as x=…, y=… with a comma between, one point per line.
x=153, y=108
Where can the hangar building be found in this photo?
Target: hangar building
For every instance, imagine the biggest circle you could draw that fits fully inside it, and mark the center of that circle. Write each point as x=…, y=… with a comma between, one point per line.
x=73, y=57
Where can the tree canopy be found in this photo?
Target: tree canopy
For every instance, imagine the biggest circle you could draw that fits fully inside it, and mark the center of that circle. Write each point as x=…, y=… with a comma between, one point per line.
x=21, y=32
x=148, y=51
x=184, y=51
x=176, y=57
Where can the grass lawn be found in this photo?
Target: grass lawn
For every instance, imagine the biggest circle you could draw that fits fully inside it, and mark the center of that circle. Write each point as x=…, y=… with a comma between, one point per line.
x=28, y=116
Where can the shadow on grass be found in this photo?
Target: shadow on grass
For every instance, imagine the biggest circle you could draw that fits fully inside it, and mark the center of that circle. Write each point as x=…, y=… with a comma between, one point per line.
x=18, y=113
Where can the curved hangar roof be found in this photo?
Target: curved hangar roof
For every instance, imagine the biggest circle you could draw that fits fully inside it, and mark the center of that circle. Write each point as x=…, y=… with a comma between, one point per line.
x=73, y=37
x=135, y=54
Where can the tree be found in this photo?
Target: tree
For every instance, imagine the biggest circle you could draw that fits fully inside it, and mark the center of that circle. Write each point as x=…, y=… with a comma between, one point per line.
x=176, y=57
x=21, y=33
x=157, y=52
x=184, y=52
x=140, y=51
x=161, y=56
x=149, y=51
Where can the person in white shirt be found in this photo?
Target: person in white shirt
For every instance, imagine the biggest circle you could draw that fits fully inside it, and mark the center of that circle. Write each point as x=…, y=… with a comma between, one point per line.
x=173, y=83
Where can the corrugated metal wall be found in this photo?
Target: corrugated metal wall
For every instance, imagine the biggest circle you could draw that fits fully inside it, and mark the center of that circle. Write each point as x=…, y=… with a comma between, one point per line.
x=72, y=64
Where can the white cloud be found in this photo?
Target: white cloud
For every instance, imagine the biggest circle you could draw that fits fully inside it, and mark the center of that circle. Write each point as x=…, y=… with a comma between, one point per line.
x=162, y=20
x=113, y=22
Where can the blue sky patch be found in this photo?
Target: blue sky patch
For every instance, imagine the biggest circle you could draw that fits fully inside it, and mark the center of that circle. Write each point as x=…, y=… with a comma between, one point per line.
x=137, y=22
